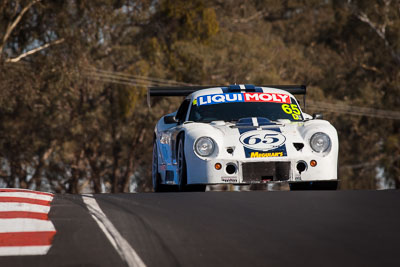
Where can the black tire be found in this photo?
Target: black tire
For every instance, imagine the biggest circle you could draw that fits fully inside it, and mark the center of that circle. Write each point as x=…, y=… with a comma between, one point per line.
x=316, y=185
x=196, y=187
x=325, y=185
x=155, y=175
x=182, y=174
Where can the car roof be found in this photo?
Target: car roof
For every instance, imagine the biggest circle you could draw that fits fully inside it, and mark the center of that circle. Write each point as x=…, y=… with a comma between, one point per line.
x=220, y=90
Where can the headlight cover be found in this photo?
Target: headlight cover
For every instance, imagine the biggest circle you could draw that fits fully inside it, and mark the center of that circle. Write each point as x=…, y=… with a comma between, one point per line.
x=320, y=142
x=204, y=146
x=165, y=138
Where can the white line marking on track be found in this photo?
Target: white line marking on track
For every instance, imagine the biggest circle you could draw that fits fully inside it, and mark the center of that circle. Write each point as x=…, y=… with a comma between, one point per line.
x=14, y=206
x=26, y=195
x=25, y=225
x=25, y=250
x=127, y=253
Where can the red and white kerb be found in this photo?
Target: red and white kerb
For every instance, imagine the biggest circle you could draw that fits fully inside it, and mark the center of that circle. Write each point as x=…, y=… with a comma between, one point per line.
x=25, y=228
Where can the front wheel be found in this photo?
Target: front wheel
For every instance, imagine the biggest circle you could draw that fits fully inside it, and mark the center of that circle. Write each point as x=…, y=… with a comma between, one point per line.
x=155, y=175
x=196, y=188
x=314, y=185
x=182, y=175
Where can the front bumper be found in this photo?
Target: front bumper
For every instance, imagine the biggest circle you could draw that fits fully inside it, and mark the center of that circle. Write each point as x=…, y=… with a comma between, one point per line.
x=203, y=171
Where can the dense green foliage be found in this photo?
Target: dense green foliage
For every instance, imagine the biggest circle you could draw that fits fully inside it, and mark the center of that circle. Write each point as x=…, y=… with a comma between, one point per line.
x=73, y=77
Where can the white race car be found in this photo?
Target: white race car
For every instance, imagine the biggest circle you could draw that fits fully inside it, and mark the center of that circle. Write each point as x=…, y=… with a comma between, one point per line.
x=242, y=134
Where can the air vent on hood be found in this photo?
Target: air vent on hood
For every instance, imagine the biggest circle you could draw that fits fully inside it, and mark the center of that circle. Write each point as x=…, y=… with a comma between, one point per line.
x=298, y=146
x=230, y=150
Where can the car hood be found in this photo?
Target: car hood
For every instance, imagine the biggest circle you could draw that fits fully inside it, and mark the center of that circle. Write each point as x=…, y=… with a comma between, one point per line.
x=259, y=137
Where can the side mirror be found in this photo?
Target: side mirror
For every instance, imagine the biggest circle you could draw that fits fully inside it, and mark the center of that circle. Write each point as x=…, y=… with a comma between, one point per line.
x=317, y=116
x=170, y=119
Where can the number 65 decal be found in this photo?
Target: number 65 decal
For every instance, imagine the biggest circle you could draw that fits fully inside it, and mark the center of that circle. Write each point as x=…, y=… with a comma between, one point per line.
x=292, y=109
x=262, y=140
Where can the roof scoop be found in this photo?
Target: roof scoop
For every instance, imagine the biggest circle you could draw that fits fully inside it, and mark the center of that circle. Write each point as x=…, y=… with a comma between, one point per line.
x=243, y=88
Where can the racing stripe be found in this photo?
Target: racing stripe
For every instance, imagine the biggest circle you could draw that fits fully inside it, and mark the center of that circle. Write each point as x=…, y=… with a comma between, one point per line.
x=248, y=151
x=242, y=88
x=264, y=121
x=254, y=121
x=234, y=87
x=259, y=90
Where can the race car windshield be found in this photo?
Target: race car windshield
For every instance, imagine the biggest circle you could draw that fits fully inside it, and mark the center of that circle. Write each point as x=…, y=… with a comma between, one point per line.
x=234, y=111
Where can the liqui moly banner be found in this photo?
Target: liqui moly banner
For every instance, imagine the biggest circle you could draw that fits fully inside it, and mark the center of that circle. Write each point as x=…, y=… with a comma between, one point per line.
x=242, y=97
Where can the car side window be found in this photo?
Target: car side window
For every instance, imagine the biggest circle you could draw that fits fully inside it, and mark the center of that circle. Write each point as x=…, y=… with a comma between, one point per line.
x=182, y=111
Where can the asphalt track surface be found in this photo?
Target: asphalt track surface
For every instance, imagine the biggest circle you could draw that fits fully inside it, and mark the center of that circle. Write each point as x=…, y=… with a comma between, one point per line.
x=307, y=228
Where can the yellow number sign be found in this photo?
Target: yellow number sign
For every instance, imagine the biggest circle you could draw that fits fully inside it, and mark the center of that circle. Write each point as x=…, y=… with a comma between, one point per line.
x=292, y=109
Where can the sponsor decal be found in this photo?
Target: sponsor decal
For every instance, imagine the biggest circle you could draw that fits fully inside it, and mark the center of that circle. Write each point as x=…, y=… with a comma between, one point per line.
x=266, y=155
x=229, y=179
x=219, y=98
x=242, y=97
x=271, y=141
x=262, y=154
x=266, y=97
x=262, y=140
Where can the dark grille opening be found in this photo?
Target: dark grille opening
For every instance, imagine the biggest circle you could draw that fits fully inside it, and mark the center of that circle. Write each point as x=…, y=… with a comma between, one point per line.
x=258, y=172
x=266, y=179
x=169, y=175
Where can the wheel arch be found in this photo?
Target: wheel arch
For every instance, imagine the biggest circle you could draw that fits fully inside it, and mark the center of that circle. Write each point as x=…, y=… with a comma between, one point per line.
x=178, y=138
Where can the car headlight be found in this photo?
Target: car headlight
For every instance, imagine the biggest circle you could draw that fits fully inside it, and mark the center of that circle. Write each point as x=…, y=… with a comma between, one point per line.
x=165, y=138
x=204, y=146
x=320, y=142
